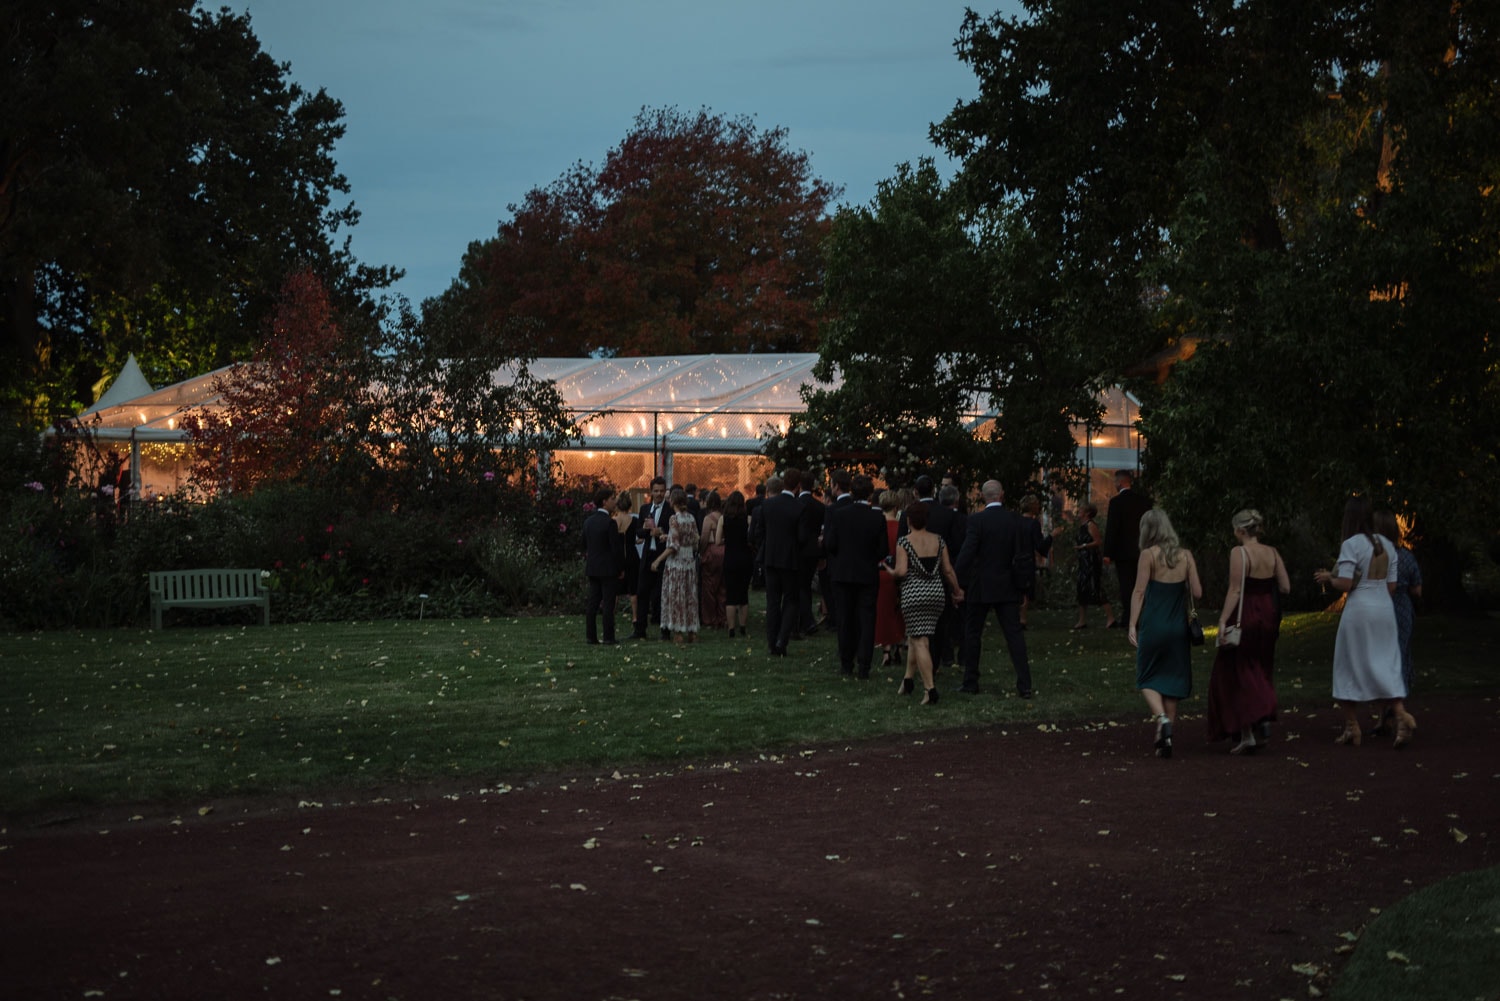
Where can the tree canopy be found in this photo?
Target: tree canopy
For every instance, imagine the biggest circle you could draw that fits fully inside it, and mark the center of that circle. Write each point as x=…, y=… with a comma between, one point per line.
x=1280, y=217
x=944, y=331
x=160, y=176
x=699, y=233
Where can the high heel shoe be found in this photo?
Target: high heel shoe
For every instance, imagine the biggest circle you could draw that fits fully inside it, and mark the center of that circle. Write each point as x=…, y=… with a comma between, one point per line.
x=931, y=697
x=1351, y=734
x=1164, y=739
x=1406, y=725
x=908, y=685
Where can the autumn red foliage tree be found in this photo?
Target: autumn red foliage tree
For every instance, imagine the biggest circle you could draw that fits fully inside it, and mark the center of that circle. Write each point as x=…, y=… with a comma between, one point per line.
x=288, y=412
x=699, y=233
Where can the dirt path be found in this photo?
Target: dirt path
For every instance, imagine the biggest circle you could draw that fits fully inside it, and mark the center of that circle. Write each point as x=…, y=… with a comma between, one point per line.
x=984, y=864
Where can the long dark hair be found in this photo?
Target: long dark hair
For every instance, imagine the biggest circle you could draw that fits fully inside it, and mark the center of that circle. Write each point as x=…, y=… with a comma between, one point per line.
x=734, y=507
x=1359, y=519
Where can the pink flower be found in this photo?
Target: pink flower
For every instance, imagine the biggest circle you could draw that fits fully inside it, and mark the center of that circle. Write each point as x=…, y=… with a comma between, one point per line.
x=329, y=529
x=562, y=526
x=277, y=564
x=33, y=485
x=327, y=556
x=107, y=490
x=588, y=507
x=489, y=477
x=567, y=502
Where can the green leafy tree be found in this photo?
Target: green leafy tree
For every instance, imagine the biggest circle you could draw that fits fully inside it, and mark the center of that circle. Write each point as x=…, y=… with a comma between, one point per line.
x=160, y=176
x=943, y=333
x=1281, y=217
x=699, y=233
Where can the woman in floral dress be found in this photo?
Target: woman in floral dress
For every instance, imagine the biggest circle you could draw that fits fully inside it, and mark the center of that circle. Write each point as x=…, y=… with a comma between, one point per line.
x=679, y=573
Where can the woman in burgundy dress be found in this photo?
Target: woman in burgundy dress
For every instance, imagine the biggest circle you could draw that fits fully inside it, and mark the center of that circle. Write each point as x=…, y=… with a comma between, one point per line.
x=1241, y=695
x=890, y=629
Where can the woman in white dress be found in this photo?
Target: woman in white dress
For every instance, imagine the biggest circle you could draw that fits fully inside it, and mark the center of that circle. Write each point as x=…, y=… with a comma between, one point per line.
x=1366, y=652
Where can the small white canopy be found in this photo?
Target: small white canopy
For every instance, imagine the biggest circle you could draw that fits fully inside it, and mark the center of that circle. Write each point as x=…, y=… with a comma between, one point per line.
x=128, y=385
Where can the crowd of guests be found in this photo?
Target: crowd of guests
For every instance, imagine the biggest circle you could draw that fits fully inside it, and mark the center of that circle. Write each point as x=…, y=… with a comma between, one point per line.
x=915, y=576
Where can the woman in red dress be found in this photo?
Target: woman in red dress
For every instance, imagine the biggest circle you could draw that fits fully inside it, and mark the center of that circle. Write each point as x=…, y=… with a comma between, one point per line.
x=1241, y=696
x=890, y=630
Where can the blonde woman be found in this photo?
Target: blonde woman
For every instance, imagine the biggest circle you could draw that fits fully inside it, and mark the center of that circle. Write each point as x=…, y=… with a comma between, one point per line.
x=1165, y=578
x=1241, y=695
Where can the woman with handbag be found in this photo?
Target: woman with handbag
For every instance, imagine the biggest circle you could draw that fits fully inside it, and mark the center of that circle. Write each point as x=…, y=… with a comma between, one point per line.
x=1166, y=585
x=1241, y=694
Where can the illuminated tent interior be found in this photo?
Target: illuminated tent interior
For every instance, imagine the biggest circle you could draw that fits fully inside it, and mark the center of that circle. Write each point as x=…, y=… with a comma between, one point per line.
x=696, y=418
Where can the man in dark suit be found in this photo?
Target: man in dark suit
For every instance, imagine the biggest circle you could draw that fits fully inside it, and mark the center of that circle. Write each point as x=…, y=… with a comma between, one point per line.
x=813, y=512
x=603, y=558
x=1122, y=536
x=781, y=543
x=653, y=533
x=994, y=540
x=854, y=537
x=842, y=481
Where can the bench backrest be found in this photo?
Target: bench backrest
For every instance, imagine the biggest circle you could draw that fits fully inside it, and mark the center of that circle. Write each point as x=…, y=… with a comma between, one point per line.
x=189, y=585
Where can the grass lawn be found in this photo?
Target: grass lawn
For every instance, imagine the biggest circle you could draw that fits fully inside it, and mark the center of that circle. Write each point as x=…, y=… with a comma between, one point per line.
x=184, y=715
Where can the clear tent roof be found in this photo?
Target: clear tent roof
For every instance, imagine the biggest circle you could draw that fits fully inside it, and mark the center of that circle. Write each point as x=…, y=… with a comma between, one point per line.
x=689, y=402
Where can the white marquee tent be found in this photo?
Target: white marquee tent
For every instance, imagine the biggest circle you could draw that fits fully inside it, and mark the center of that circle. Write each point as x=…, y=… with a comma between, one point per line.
x=695, y=418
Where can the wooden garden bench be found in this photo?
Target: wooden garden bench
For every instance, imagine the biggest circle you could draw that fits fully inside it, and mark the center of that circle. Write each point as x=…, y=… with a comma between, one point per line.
x=208, y=589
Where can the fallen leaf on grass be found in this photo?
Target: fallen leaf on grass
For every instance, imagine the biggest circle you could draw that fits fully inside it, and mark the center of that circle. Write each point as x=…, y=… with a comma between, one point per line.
x=1306, y=969
x=273, y=960
x=1458, y=835
x=577, y=886
x=591, y=843
x=1396, y=957
x=204, y=811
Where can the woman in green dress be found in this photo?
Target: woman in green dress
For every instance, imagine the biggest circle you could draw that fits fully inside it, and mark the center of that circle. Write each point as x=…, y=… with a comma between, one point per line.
x=1159, y=623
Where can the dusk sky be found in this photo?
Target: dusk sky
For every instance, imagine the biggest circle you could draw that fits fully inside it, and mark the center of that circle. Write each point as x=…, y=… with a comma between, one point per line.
x=454, y=109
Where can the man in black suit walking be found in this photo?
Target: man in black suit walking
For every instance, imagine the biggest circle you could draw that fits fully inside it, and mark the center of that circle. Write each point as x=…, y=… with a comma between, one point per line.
x=781, y=543
x=603, y=559
x=1122, y=536
x=653, y=532
x=992, y=544
x=854, y=537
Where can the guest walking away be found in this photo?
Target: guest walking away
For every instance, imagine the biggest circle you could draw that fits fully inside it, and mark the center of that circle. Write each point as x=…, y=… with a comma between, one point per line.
x=780, y=536
x=603, y=558
x=626, y=521
x=890, y=631
x=922, y=565
x=1166, y=582
x=1241, y=692
x=1122, y=529
x=1367, y=649
x=711, y=569
x=1090, y=570
x=1041, y=546
x=994, y=547
x=1408, y=590
x=679, y=573
x=855, y=539
x=738, y=564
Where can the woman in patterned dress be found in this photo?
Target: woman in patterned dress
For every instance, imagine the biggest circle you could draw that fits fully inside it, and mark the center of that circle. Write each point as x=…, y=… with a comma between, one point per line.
x=921, y=565
x=679, y=577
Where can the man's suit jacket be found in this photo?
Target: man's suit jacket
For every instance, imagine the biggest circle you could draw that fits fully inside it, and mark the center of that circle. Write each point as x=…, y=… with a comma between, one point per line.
x=603, y=545
x=1122, y=529
x=991, y=544
x=813, y=513
x=653, y=549
x=855, y=539
x=943, y=521
x=781, y=523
